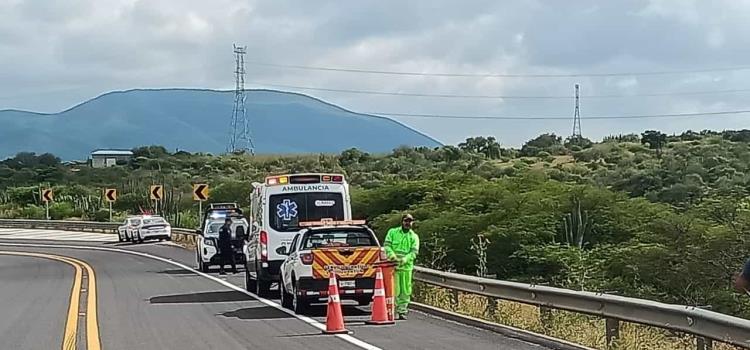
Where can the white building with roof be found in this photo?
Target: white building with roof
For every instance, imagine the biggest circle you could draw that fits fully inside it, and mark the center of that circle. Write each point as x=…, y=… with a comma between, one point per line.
x=103, y=158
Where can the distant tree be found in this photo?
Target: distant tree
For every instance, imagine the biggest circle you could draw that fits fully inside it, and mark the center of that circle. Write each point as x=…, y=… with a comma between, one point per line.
x=655, y=140
x=544, y=142
x=622, y=138
x=579, y=141
x=487, y=146
x=150, y=152
x=737, y=135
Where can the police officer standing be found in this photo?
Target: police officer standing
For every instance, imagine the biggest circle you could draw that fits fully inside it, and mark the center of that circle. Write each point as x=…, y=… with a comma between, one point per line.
x=225, y=247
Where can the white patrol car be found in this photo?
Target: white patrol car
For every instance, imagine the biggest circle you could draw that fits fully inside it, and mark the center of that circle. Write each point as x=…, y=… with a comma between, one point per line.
x=206, y=251
x=348, y=248
x=277, y=208
x=152, y=227
x=126, y=231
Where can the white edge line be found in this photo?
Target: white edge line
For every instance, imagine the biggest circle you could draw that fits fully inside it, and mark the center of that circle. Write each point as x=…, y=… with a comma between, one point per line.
x=308, y=320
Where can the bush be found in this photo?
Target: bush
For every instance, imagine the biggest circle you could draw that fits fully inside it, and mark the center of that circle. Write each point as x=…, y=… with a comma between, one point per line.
x=63, y=210
x=33, y=212
x=101, y=215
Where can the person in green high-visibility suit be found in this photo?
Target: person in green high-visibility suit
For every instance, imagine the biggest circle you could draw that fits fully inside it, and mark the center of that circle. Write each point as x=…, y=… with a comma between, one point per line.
x=402, y=246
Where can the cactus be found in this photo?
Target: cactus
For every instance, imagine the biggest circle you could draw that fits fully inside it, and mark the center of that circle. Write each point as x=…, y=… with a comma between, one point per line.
x=577, y=225
x=480, y=244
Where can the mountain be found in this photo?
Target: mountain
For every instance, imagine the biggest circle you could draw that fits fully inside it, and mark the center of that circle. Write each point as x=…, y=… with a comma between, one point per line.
x=198, y=121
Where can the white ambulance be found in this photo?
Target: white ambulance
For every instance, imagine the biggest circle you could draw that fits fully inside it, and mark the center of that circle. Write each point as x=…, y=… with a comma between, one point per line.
x=277, y=206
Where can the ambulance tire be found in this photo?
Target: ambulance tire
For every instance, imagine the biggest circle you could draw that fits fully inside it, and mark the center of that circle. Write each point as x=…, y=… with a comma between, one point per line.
x=249, y=282
x=262, y=288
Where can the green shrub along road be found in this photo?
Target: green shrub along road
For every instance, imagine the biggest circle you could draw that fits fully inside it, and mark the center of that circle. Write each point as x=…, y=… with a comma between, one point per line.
x=651, y=216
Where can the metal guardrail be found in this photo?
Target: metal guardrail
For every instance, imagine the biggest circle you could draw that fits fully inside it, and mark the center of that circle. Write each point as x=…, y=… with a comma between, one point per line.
x=707, y=325
x=90, y=226
x=688, y=319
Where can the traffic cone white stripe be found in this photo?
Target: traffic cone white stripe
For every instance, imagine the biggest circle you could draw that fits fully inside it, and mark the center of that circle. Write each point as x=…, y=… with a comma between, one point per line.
x=334, y=317
x=379, y=308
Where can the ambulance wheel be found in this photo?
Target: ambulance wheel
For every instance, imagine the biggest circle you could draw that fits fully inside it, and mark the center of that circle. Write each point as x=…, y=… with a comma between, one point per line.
x=249, y=282
x=286, y=298
x=364, y=301
x=262, y=288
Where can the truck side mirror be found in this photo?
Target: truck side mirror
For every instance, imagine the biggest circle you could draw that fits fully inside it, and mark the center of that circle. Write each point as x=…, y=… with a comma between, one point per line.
x=198, y=232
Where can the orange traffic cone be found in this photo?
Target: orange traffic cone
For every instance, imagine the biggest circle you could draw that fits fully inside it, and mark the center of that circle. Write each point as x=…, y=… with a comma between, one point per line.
x=379, y=307
x=334, y=317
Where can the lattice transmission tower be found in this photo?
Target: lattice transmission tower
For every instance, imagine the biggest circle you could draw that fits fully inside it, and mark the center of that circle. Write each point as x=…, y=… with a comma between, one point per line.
x=577, y=119
x=240, y=138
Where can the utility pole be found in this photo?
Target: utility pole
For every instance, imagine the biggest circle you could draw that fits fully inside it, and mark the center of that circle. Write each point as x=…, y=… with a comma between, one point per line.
x=240, y=139
x=576, y=137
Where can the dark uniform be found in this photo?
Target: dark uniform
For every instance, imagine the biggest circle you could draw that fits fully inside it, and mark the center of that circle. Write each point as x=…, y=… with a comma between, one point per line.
x=225, y=248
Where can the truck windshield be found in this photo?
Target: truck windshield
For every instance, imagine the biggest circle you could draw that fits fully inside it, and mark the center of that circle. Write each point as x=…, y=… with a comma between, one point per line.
x=338, y=239
x=287, y=210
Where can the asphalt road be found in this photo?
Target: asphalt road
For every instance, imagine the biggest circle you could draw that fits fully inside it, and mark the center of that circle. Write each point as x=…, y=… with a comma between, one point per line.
x=34, y=298
x=150, y=304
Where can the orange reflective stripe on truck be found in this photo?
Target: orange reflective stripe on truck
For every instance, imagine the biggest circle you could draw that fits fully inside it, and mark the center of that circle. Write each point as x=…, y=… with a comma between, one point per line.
x=347, y=263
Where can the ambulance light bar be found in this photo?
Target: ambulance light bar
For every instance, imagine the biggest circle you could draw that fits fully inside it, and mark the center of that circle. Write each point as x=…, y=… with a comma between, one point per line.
x=304, y=179
x=332, y=223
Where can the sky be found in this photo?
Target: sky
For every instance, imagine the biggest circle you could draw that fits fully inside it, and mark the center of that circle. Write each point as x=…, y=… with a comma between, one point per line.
x=55, y=54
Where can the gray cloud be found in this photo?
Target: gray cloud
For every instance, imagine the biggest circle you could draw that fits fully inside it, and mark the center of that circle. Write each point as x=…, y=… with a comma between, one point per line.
x=53, y=56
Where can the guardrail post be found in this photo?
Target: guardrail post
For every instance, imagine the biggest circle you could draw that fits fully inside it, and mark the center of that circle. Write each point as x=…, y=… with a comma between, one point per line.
x=612, y=330
x=491, y=307
x=454, y=299
x=704, y=343
x=545, y=317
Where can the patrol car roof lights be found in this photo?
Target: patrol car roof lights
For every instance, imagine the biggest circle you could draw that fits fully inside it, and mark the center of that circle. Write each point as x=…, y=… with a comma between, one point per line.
x=324, y=222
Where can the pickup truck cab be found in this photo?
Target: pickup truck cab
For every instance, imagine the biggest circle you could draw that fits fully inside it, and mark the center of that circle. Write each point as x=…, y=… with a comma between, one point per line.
x=348, y=248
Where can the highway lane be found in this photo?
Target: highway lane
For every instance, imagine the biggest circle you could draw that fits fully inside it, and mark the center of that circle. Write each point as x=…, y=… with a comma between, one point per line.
x=34, y=299
x=174, y=292
x=147, y=304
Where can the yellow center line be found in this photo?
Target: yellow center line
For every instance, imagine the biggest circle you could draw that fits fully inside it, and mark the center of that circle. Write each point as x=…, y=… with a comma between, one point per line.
x=71, y=323
x=92, y=321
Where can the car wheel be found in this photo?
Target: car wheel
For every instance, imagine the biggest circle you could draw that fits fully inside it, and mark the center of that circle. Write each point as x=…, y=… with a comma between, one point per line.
x=204, y=267
x=299, y=303
x=286, y=298
x=119, y=238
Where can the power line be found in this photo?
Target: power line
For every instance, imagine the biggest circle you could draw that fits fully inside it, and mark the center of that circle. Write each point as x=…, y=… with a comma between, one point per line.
x=499, y=75
x=642, y=116
x=529, y=97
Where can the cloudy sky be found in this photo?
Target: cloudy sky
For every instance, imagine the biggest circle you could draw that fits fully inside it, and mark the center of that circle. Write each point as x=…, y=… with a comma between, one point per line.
x=54, y=54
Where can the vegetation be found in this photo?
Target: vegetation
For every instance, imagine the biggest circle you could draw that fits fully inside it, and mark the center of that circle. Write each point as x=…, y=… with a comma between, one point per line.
x=652, y=216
